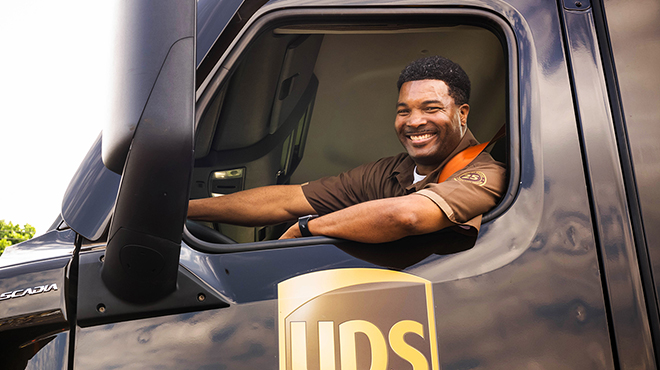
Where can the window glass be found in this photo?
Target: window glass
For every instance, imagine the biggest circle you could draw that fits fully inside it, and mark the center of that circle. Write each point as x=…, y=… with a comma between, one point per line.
x=212, y=17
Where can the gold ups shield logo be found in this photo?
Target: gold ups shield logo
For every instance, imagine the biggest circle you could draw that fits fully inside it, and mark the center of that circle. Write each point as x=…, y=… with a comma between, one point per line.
x=352, y=319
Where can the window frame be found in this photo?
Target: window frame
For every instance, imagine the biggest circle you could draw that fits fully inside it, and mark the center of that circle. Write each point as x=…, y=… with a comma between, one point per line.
x=221, y=73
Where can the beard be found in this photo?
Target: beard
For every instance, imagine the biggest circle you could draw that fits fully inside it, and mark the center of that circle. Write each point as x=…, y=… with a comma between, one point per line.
x=447, y=139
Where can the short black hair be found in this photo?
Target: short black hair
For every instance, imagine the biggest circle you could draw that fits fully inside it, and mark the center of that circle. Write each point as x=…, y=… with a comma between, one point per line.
x=439, y=68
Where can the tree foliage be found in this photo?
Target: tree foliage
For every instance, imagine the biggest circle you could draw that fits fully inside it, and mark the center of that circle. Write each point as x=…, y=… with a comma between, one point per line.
x=14, y=234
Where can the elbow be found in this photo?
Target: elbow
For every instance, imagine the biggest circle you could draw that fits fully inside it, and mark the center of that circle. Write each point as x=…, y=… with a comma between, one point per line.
x=418, y=216
x=408, y=221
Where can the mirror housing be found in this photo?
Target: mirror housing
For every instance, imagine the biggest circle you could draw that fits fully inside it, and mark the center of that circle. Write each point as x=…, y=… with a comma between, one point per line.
x=149, y=139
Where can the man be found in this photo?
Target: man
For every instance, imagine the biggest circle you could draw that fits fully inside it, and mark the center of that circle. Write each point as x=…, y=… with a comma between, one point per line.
x=393, y=197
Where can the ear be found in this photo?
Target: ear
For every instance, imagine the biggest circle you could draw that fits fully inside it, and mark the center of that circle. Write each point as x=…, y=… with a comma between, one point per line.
x=463, y=111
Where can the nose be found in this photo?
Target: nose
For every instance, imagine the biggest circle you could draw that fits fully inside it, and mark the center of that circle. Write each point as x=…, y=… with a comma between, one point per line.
x=416, y=118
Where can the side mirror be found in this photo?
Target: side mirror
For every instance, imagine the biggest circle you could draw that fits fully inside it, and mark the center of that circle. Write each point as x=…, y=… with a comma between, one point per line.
x=149, y=140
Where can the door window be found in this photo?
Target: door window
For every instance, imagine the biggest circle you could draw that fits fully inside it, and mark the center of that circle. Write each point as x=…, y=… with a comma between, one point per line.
x=307, y=100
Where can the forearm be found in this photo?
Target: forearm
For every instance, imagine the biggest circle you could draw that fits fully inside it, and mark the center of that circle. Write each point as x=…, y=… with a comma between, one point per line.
x=260, y=206
x=380, y=220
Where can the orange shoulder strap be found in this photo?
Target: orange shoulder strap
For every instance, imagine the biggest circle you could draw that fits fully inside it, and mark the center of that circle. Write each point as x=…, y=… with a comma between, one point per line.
x=462, y=159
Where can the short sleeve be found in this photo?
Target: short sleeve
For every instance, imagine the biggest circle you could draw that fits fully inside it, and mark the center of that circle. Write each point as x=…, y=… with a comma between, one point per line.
x=364, y=183
x=333, y=193
x=470, y=192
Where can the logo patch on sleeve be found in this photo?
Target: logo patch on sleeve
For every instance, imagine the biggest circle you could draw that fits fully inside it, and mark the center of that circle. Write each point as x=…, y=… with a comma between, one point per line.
x=473, y=177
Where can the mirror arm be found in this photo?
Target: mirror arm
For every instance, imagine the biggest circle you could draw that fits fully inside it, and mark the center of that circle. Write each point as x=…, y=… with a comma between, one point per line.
x=142, y=255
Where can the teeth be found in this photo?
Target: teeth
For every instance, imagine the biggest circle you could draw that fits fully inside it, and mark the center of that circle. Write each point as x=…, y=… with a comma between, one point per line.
x=420, y=137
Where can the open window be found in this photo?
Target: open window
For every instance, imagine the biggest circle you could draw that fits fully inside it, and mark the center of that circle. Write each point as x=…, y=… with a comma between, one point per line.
x=306, y=97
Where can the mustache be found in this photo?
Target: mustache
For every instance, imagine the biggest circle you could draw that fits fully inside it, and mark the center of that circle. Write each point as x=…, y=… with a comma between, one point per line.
x=422, y=131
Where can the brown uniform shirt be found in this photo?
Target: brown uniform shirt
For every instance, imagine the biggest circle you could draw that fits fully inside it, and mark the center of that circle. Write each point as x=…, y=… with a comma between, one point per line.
x=464, y=197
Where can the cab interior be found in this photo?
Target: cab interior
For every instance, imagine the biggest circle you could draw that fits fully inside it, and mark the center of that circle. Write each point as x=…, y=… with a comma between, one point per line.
x=304, y=101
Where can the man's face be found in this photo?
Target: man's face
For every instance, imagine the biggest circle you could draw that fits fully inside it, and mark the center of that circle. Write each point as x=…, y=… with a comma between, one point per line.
x=428, y=122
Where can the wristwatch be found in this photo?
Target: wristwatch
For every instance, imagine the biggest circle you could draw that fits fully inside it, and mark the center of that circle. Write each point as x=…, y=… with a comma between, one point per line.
x=302, y=225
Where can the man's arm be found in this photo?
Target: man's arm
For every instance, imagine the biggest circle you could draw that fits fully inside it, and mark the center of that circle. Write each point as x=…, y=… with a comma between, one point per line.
x=379, y=221
x=254, y=207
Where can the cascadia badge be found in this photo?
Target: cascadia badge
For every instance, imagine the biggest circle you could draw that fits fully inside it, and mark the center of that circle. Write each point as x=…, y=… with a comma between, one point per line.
x=352, y=319
x=18, y=293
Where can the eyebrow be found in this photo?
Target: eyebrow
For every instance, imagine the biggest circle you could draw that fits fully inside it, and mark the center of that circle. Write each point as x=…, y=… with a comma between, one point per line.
x=426, y=102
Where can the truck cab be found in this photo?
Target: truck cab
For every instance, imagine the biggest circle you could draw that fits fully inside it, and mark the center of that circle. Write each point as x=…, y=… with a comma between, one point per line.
x=218, y=96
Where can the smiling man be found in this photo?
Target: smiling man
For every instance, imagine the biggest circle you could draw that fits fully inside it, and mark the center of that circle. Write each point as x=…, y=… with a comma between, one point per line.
x=396, y=196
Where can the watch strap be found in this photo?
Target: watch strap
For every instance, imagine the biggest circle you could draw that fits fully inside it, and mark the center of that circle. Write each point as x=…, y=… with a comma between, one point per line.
x=303, y=225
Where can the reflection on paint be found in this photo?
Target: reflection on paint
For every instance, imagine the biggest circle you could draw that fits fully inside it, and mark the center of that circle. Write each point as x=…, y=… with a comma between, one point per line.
x=238, y=337
x=51, y=353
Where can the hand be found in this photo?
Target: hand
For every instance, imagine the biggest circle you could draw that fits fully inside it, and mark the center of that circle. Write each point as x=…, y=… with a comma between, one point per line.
x=292, y=232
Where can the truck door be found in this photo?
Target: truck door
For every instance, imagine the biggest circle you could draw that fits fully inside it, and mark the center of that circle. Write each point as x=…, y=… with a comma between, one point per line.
x=304, y=90
x=615, y=208
x=630, y=54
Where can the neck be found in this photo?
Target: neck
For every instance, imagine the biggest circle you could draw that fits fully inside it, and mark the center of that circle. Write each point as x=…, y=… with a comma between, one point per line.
x=425, y=169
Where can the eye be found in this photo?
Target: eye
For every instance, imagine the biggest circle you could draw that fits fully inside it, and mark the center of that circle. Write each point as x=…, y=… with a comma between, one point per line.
x=402, y=111
x=432, y=109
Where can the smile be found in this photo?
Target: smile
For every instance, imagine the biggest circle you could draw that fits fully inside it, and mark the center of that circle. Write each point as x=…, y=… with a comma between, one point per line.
x=420, y=137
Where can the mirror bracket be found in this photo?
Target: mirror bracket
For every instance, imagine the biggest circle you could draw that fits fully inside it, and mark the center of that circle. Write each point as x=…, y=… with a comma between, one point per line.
x=144, y=241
